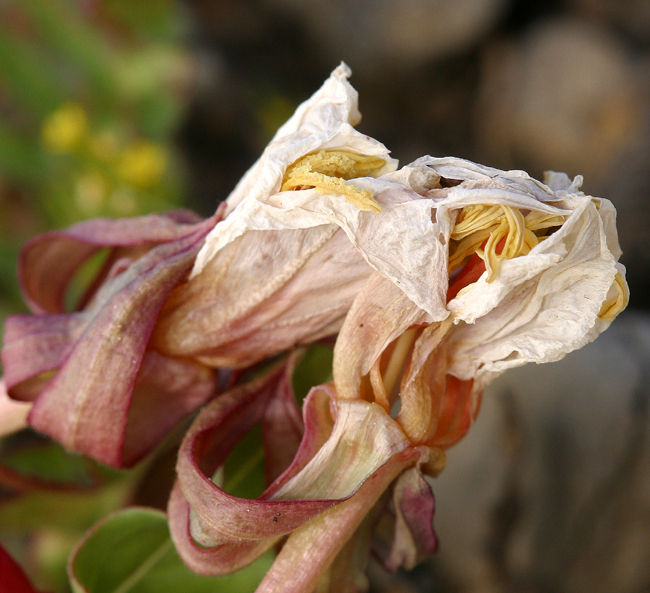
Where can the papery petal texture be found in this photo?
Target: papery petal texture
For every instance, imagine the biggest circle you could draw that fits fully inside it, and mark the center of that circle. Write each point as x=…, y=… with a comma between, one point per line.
x=345, y=445
x=84, y=370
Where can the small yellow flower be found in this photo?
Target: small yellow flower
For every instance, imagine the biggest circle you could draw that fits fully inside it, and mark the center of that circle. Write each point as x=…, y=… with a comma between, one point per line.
x=90, y=192
x=142, y=164
x=64, y=129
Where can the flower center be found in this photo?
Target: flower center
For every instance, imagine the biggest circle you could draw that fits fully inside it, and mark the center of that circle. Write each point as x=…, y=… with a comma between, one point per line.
x=327, y=171
x=496, y=232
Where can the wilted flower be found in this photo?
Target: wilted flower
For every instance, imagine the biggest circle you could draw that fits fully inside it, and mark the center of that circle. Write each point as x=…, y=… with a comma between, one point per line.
x=530, y=273
x=437, y=277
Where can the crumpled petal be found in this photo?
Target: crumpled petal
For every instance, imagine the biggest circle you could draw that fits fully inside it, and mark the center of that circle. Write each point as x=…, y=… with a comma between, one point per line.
x=262, y=294
x=216, y=532
x=97, y=353
x=325, y=121
x=48, y=263
x=400, y=242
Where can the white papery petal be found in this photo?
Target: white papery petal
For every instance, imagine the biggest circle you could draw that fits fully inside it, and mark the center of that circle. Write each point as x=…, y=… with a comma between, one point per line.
x=546, y=316
x=322, y=122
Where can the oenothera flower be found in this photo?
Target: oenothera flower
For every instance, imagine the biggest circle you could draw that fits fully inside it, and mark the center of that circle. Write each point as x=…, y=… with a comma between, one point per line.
x=532, y=274
x=529, y=272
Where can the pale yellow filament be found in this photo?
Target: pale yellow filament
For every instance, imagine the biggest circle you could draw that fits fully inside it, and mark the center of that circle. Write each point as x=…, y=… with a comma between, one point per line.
x=327, y=171
x=494, y=223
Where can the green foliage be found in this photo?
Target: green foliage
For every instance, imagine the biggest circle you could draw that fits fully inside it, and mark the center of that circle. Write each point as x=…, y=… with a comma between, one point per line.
x=243, y=474
x=315, y=368
x=131, y=552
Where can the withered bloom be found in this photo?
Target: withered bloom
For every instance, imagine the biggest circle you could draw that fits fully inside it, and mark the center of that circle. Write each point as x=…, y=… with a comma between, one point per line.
x=530, y=273
x=437, y=277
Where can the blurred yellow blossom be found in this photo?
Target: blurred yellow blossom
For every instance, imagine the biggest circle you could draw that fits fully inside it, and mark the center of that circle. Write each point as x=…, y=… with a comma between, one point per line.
x=90, y=192
x=104, y=145
x=64, y=129
x=142, y=164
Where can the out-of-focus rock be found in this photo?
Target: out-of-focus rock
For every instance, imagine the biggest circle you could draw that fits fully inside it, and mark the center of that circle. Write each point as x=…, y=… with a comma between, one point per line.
x=372, y=34
x=550, y=491
x=566, y=96
x=632, y=16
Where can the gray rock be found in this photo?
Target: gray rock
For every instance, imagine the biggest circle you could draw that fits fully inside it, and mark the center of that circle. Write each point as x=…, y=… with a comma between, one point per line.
x=550, y=491
x=567, y=96
x=369, y=34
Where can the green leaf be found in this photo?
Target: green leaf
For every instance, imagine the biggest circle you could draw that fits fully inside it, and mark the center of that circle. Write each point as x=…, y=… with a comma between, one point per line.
x=315, y=368
x=244, y=468
x=131, y=552
x=50, y=463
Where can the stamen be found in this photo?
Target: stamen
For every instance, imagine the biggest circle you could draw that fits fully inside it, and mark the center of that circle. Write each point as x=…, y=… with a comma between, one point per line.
x=612, y=307
x=327, y=171
x=496, y=233
x=399, y=356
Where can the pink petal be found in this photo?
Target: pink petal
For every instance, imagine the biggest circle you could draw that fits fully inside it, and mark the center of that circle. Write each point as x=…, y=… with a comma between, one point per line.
x=334, y=462
x=86, y=404
x=415, y=506
x=48, y=262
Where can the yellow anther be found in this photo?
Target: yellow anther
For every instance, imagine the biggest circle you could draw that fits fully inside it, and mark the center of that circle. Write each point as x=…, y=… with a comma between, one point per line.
x=613, y=306
x=327, y=171
x=501, y=228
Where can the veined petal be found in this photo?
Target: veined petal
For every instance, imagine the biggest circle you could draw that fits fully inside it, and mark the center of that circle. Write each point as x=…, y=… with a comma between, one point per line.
x=263, y=293
x=48, y=262
x=100, y=368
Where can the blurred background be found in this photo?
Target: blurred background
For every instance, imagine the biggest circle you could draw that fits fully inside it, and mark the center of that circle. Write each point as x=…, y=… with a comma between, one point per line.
x=119, y=108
